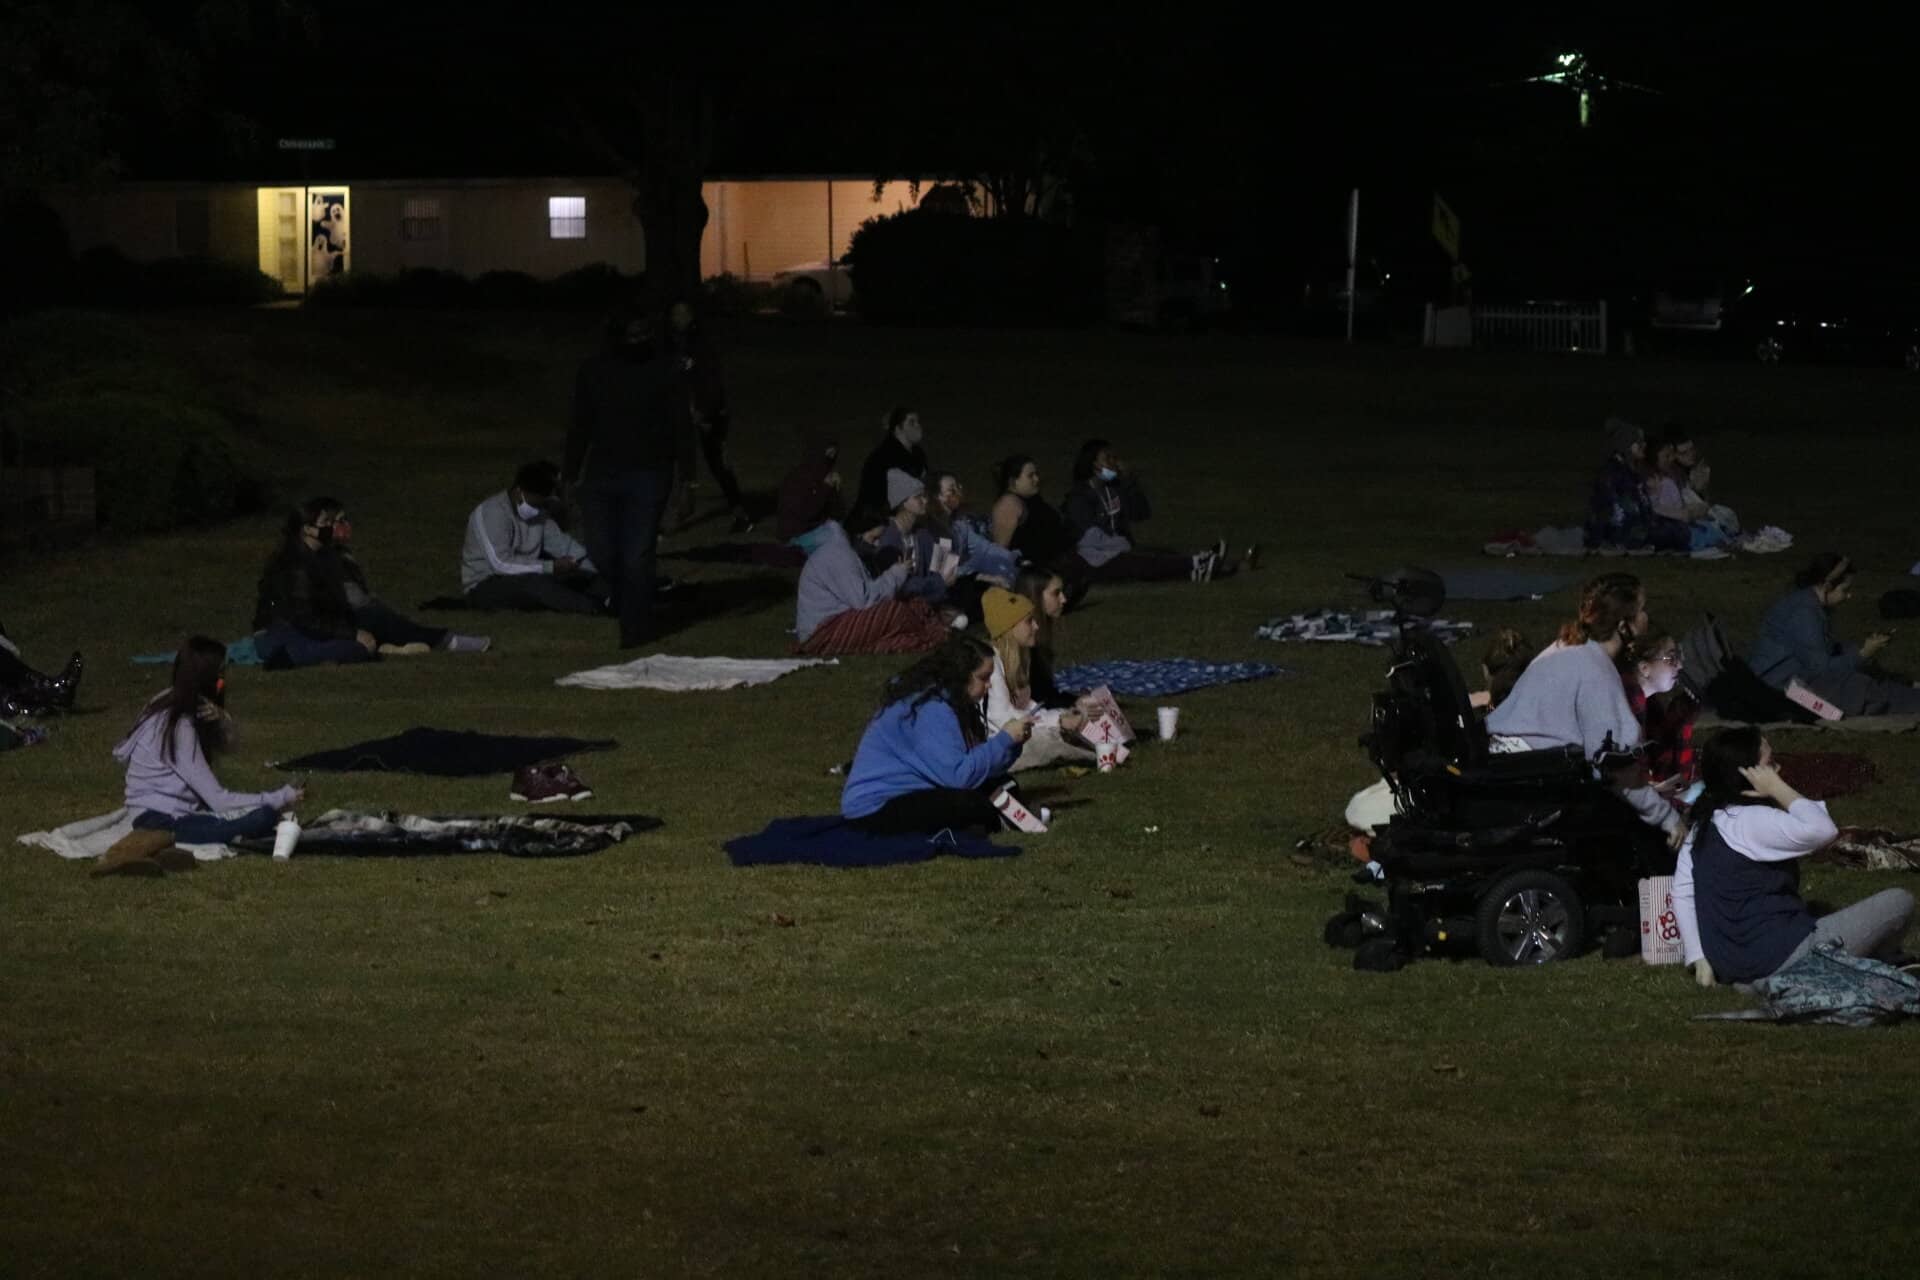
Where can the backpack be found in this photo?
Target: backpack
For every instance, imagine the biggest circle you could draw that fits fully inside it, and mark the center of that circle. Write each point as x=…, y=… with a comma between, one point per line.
x=1719, y=678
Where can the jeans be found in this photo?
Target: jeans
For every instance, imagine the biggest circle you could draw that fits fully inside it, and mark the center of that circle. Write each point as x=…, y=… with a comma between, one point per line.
x=538, y=592
x=210, y=828
x=284, y=644
x=622, y=516
x=389, y=627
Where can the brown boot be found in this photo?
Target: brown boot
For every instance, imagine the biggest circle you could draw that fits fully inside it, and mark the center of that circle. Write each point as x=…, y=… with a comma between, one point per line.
x=134, y=854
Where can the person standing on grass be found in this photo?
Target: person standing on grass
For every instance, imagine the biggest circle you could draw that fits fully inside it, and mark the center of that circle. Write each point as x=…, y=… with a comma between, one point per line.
x=515, y=556
x=926, y=762
x=698, y=364
x=1739, y=871
x=170, y=786
x=1796, y=642
x=630, y=442
x=900, y=449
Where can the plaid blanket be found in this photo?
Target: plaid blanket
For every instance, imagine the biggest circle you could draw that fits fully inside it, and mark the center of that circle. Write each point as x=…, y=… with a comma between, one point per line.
x=1369, y=627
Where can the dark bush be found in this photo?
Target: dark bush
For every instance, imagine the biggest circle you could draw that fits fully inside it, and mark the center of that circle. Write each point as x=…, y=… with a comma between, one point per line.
x=514, y=289
x=49, y=353
x=108, y=278
x=598, y=285
x=158, y=462
x=35, y=258
x=935, y=268
x=728, y=296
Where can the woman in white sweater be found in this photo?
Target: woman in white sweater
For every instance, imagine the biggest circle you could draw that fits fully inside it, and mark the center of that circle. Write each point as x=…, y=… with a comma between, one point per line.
x=1013, y=630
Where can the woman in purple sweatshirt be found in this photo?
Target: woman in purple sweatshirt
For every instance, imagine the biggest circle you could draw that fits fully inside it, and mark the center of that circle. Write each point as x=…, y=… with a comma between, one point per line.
x=170, y=786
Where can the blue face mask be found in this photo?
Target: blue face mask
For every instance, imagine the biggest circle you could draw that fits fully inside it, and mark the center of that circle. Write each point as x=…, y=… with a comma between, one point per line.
x=811, y=540
x=1108, y=474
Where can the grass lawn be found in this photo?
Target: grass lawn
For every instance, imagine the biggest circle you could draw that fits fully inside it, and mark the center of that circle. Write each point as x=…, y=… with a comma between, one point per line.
x=1124, y=1052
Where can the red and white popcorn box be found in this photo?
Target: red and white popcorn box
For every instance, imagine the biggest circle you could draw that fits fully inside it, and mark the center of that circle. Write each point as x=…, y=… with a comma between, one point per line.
x=1797, y=692
x=1659, y=924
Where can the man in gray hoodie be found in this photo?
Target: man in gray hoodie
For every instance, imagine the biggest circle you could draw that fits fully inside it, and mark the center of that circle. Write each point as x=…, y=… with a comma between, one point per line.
x=516, y=556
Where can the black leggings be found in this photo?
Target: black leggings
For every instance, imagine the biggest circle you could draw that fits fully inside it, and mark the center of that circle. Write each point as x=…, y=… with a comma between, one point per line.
x=713, y=446
x=14, y=674
x=389, y=627
x=935, y=809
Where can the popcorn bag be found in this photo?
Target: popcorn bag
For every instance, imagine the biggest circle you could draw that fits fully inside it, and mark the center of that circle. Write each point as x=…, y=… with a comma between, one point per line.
x=1797, y=692
x=1659, y=925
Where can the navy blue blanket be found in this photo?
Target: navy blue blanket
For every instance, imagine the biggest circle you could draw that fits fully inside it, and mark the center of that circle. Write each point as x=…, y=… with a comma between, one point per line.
x=1160, y=678
x=834, y=842
x=444, y=753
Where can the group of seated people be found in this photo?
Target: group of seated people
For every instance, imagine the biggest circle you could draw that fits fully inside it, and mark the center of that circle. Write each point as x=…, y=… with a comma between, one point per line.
x=906, y=558
x=1653, y=494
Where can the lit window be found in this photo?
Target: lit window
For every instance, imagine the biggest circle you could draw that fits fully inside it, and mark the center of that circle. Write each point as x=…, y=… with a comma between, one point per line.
x=420, y=220
x=567, y=218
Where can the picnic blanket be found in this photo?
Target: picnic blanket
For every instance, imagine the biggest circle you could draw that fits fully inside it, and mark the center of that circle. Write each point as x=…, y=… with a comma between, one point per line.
x=1369, y=627
x=1873, y=849
x=443, y=753
x=1845, y=724
x=240, y=653
x=687, y=675
x=834, y=842
x=1160, y=678
x=1828, y=985
x=1825, y=775
x=1571, y=540
x=348, y=833
x=1501, y=584
x=91, y=837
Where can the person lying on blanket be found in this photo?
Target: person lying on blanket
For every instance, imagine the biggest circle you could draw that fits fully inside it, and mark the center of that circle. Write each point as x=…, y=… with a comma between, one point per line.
x=927, y=762
x=1736, y=886
x=1571, y=695
x=516, y=555
x=170, y=785
x=843, y=609
x=1796, y=642
x=1013, y=628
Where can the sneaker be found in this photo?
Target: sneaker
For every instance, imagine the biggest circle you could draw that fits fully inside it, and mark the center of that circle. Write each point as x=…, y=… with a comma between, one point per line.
x=457, y=643
x=1017, y=815
x=1203, y=566
x=545, y=783
x=1712, y=553
x=413, y=650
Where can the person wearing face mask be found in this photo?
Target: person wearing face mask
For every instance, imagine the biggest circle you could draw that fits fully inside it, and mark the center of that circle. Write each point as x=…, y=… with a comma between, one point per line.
x=516, y=556
x=1571, y=695
x=1101, y=510
x=630, y=444
x=315, y=605
x=900, y=449
x=1796, y=642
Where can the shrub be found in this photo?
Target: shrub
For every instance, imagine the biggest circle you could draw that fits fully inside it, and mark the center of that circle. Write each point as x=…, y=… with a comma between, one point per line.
x=921, y=267
x=727, y=295
x=107, y=277
x=598, y=285
x=51, y=351
x=515, y=289
x=158, y=462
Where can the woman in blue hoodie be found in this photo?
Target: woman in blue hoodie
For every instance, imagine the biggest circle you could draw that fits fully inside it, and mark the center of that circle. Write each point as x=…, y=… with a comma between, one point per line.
x=926, y=762
x=1796, y=642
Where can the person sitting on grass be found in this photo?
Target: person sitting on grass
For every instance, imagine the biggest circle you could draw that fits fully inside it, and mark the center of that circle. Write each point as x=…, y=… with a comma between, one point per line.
x=170, y=786
x=1013, y=628
x=1739, y=871
x=1571, y=695
x=1670, y=495
x=516, y=556
x=900, y=449
x=809, y=493
x=1618, y=511
x=1651, y=676
x=1796, y=642
x=926, y=762
x=1047, y=592
x=1101, y=510
x=1026, y=523
x=906, y=536
x=980, y=556
x=842, y=609
x=315, y=606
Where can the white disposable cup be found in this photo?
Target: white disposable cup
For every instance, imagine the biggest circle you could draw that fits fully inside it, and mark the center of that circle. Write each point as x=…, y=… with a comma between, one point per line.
x=1169, y=723
x=1107, y=757
x=285, y=836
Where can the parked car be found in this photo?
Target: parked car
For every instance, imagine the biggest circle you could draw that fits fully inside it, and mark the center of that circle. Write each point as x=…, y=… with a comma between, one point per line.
x=1690, y=306
x=1823, y=321
x=830, y=282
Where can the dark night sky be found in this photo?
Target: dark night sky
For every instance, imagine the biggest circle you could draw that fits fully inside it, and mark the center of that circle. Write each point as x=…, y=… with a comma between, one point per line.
x=1763, y=140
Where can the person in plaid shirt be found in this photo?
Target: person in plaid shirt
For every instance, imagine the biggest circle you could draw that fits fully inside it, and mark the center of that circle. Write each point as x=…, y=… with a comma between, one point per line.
x=1650, y=672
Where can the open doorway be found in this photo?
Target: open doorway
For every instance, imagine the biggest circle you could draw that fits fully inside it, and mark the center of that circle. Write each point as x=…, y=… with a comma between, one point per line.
x=303, y=234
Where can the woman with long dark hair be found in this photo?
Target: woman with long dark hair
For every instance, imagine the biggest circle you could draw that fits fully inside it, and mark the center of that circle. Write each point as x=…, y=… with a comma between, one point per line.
x=926, y=761
x=170, y=785
x=1739, y=870
x=1796, y=642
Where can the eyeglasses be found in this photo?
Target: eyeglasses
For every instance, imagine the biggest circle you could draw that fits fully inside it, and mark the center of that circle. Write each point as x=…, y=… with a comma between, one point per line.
x=1673, y=658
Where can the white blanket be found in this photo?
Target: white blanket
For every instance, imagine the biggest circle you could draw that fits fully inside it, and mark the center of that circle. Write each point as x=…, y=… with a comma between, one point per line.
x=689, y=675
x=92, y=837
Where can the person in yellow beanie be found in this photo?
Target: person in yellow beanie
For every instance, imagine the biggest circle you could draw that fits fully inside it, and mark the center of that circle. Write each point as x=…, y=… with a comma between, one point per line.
x=1013, y=629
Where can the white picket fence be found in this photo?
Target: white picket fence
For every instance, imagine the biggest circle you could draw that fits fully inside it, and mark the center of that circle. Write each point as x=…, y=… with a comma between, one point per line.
x=1543, y=326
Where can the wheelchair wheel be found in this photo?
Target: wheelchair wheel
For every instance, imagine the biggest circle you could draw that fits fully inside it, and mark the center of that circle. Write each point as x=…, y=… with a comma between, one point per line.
x=1530, y=917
